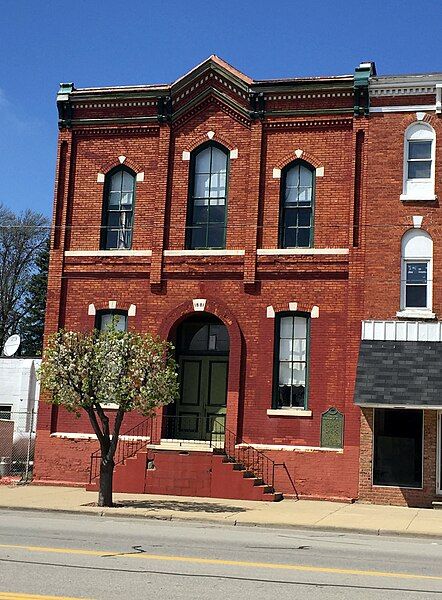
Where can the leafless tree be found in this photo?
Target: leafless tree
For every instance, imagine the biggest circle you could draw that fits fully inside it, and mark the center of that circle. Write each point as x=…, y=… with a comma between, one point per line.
x=21, y=238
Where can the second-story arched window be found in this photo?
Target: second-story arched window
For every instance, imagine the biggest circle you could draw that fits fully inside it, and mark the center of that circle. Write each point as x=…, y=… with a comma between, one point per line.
x=419, y=152
x=297, y=202
x=118, y=210
x=207, y=206
x=417, y=269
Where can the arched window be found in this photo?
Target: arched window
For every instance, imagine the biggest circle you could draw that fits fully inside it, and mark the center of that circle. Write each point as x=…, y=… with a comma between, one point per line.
x=118, y=210
x=417, y=268
x=419, y=148
x=207, y=207
x=296, y=210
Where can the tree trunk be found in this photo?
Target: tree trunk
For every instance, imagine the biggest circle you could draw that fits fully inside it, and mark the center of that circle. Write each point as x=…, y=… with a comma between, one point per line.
x=106, y=482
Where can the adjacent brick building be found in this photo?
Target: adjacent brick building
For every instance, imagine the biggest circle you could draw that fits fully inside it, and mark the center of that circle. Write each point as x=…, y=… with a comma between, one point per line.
x=399, y=385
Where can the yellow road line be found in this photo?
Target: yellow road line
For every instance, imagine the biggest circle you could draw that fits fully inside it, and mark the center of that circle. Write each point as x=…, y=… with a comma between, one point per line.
x=16, y=596
x=220, y=562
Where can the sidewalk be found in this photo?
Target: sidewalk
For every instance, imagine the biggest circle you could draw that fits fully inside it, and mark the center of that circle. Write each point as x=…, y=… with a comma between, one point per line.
x=364, y=518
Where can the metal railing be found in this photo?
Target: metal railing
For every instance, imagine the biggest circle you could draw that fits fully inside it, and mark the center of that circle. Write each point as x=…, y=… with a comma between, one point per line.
x=182, y=428
x=208, y=430
x=252, y=460
x=128, y=445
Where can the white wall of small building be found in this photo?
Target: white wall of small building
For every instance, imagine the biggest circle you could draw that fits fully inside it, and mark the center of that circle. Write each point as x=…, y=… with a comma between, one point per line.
x=19, y=387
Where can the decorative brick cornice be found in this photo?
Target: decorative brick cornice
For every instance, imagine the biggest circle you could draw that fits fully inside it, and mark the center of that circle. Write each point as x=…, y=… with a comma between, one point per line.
x=311, y=124
x=120, y=131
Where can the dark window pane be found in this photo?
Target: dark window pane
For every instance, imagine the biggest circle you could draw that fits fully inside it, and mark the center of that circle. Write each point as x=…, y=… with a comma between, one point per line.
x=218, y=337
x=303, y=238
x=198, y=236
x=215, y=238
x=200, y=213
x=417, y=272
x=113, y=219
x=289, y=240
x=112, y=239
x=291, y=215
x=195, y=336
x=298, y=396
x=420, y=169
x=304, y=217
x=419, y=149
x=416, y=296
x=217, y=214
x=398, y=447
x=6, y=412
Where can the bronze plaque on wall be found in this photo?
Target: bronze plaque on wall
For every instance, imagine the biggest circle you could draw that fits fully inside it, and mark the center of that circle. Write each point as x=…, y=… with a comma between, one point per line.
x=332, y=429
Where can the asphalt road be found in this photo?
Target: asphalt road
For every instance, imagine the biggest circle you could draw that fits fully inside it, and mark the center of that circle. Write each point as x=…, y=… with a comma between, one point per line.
x=104, y=559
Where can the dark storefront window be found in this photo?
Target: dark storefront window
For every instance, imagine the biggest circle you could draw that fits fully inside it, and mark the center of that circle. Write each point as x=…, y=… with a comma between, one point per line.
x=398, y=447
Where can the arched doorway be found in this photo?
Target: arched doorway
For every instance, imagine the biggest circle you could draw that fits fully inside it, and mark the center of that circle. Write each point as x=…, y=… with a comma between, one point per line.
x=202, y=353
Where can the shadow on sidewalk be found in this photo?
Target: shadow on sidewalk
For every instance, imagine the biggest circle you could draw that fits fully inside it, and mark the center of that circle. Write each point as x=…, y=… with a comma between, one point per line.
x=176, y=505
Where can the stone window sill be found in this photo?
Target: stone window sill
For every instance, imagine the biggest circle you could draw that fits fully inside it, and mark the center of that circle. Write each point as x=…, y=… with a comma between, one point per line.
x=289, y=412
x=416, y=198
x=416, y=314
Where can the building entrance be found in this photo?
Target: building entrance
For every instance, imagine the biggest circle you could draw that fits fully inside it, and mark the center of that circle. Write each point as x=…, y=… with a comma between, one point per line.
x=203, y=359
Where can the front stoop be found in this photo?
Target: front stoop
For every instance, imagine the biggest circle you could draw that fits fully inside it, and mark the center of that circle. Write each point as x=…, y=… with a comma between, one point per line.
x=188, y=473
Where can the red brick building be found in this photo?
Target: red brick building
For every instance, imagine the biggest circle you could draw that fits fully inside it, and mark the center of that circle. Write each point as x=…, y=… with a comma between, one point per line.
x=224, y=214
x=399, y=380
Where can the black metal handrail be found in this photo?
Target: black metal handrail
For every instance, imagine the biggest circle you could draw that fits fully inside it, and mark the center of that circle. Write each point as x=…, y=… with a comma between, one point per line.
x=181, y=428
x=254, y=461
x=129, y=443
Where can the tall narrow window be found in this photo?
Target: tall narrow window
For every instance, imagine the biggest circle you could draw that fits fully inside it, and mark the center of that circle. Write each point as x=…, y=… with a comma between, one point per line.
x=419, y=148
x=416, y=288
x=296, y=212
x=118, y=210
x=291, y=361
x=207, y=209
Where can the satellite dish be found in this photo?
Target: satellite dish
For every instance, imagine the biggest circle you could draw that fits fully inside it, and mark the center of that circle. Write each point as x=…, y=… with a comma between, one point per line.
x=11, y=345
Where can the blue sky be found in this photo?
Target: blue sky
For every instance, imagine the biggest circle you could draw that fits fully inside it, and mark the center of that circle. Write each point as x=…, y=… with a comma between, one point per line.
x=105, y=42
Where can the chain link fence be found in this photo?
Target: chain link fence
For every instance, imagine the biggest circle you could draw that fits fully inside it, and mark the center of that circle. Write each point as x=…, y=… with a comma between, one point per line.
x=17, y=440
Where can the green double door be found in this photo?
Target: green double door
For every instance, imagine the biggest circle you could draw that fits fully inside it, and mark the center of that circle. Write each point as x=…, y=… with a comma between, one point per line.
x=201, y=408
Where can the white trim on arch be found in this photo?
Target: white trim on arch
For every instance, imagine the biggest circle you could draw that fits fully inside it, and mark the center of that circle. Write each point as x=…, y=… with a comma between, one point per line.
x=419, y=188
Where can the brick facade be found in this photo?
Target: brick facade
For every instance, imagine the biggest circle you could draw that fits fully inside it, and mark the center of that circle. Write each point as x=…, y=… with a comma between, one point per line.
x=309, y=118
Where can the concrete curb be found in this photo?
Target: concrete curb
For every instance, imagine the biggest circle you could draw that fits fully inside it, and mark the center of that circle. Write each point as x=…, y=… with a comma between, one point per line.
x=233, y=522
